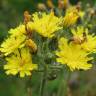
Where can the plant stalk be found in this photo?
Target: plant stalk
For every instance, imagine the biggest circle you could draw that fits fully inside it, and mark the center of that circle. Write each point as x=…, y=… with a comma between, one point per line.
x=43, y=83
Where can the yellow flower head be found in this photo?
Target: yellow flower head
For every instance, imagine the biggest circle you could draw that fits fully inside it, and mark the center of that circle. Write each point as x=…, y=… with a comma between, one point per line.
x=90, y=43
x=17, y=31
x=72, y=55
x=71, y=16
x=45, y=24
x=20, y=62
x=78, y=32
x=12, y=43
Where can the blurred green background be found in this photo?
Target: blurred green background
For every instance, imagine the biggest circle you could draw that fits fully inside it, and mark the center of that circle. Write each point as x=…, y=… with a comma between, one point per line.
x=82, y=83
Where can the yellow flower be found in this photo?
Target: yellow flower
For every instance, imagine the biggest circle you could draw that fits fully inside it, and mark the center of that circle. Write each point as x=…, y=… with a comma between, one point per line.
x=72, y=55
x=90, y=43
x=12, y=43
x=20, y=62
x=78, y=32
x=71, y=16
x=20, y=30
x=45, y=24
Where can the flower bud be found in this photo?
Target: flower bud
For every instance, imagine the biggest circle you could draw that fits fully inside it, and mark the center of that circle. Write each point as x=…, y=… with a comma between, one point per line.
x=31, y=44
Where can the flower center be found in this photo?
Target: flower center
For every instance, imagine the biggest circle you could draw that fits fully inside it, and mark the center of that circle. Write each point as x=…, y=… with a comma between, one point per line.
x=22, y=62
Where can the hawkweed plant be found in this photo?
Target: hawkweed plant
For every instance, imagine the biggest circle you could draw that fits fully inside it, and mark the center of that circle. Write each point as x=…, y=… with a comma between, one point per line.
x=54, y=40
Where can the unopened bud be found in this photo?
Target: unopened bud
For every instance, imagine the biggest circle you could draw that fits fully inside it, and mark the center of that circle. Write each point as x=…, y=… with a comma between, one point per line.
x=60, y=4
x=41, y=6
x=27, y=17
x=50, y=4
x=31, y=44
x=92, y=12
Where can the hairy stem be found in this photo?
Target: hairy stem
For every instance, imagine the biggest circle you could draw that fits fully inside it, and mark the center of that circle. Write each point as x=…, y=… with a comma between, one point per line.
x=43, y=83
x=29, y=90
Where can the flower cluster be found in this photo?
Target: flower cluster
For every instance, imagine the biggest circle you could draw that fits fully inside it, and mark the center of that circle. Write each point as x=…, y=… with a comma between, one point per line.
x=16, y=47
x=73, y=51
x=16, y=50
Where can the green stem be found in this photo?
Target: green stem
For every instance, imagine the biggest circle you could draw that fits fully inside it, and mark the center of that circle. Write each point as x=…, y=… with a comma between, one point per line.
x=44, y=77
x=56, y=67
x=29, y=90
x=43, y=83
x=29, y=87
